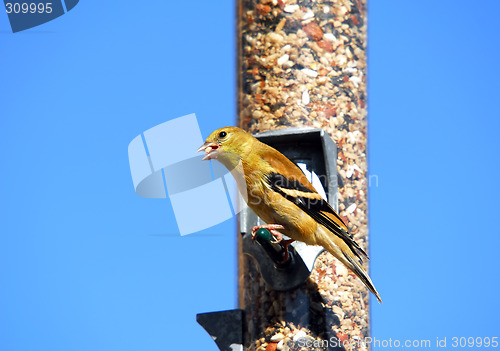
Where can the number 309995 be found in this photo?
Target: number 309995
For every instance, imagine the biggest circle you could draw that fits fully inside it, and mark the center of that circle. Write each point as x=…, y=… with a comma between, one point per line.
x=25, y=7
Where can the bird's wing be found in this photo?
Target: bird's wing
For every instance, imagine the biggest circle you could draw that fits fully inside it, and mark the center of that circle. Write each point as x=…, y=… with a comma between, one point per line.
x=288, y=180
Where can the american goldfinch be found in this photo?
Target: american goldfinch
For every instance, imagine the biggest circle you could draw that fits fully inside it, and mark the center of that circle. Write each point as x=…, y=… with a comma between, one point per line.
x=282, y=196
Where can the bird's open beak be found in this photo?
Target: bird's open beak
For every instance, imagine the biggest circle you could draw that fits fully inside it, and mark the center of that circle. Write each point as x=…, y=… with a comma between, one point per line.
x=210, y=150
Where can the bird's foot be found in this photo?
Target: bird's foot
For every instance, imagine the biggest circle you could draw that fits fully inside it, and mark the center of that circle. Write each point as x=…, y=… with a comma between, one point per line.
x=278, y=238
x=273, y=228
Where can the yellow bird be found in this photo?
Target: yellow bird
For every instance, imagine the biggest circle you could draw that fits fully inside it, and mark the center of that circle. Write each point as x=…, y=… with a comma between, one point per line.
x=282, y=196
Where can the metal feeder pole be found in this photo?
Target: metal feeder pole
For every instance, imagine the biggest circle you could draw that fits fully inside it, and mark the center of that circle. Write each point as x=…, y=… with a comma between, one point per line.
x=303, y=64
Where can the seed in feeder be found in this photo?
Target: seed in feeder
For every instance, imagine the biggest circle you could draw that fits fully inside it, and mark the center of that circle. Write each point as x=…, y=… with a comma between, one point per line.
x=329, y=37
x=283, y=59
x=309, y=14
x=326, y=45
x=275, y=37
x=299, y=335
x=309, y=72
x=313, y=31
x=305, y=97
x=291, y=8
x=351, y=208
x=281, y=25
x=263, y=9
x=355, y=80
x=277, y=337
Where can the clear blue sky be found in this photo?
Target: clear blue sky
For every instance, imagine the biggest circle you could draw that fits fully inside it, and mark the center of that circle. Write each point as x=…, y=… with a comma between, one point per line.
x=86, y=264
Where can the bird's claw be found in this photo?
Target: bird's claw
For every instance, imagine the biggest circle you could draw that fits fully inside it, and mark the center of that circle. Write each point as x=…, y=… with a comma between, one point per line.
x=273, y=228
x=278, y=237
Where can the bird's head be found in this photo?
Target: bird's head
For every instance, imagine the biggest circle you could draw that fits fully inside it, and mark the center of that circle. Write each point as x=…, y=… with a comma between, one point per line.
x=226, y=143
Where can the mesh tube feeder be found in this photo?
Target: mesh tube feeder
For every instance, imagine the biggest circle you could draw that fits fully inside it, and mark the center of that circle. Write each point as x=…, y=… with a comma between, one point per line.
x=303, y=64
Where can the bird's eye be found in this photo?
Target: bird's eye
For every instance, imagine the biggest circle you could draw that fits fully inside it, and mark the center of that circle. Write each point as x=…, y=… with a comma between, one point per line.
x=222, y=134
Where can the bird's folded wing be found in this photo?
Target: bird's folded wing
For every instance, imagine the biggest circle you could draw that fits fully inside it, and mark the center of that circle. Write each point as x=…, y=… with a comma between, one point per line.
x=314, y=205
x=287, y=179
